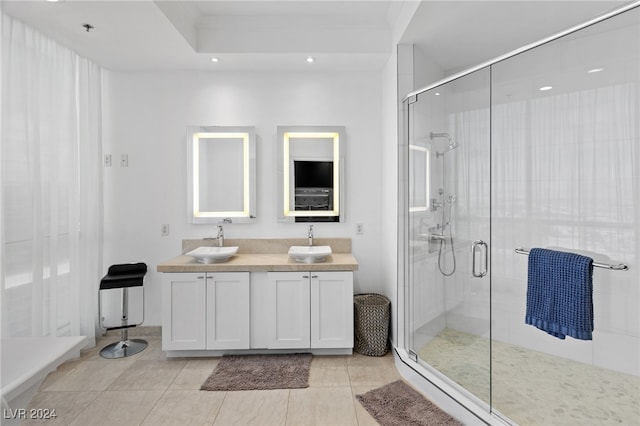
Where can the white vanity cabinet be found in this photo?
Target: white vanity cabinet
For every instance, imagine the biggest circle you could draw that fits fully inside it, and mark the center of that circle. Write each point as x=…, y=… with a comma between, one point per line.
x=258, y=301
x=310, y=310
x=289, y=310
x=228, y=304
x=332, y=309
x=183, y=311
x=205, y=311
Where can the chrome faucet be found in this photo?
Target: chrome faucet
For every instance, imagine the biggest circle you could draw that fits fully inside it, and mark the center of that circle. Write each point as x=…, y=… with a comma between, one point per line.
x=310, y=235
x=220, y=237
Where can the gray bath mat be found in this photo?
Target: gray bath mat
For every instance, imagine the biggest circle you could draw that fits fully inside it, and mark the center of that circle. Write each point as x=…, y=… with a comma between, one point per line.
x=398, y=404
x=251, y=372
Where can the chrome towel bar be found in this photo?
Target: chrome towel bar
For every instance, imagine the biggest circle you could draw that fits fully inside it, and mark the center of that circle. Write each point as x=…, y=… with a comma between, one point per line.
x=618, y=267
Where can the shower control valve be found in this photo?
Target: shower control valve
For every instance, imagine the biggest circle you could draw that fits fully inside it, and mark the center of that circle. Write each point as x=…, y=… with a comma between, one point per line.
x=435, y=237
x=436, y=233
x=435, y=204
x=438, y=237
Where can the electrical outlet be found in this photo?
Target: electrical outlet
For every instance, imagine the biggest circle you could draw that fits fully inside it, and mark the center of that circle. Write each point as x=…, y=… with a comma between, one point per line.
x=124, y=160
x=164, y=230
x=359, y=228
x=107, y=160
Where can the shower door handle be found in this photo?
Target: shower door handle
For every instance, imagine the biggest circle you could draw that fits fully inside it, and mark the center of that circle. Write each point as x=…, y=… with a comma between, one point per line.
x=482, y=248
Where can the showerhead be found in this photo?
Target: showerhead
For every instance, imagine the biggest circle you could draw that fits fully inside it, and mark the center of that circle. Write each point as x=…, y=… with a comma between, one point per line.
x=452, y=145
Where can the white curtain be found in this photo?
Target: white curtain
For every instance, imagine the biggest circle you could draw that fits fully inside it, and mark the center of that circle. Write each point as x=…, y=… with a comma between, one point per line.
x=51, y=186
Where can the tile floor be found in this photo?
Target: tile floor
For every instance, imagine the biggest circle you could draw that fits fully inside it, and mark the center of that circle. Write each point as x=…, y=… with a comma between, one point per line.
x=150, y=389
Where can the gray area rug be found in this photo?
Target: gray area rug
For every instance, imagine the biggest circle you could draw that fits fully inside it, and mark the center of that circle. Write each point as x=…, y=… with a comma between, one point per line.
x=255, y=372
x=398, y=404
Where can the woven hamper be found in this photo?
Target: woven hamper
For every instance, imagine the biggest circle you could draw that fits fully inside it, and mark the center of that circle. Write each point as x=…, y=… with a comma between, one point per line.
x=371, y=316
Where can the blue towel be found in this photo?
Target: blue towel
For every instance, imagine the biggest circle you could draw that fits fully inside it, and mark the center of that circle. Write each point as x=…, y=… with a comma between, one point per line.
x=560, y=293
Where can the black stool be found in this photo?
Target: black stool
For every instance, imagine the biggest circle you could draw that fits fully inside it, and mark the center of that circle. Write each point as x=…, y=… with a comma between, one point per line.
x=123, y=277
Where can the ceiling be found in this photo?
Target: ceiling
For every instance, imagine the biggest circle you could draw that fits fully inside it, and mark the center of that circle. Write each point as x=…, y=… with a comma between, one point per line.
x=279, y=35
x=461, y=34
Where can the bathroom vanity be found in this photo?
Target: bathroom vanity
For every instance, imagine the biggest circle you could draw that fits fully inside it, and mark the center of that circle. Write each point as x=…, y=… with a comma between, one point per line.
x=260, y=300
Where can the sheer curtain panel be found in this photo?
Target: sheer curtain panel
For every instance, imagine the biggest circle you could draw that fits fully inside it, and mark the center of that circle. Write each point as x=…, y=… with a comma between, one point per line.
x=51, y=186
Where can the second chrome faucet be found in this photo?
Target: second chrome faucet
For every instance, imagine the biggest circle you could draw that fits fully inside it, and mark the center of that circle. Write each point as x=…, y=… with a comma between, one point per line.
x=310, y=235
x=220, y=236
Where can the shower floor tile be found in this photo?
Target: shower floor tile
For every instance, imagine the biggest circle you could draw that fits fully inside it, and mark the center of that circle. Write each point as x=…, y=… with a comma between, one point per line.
x=534, y=388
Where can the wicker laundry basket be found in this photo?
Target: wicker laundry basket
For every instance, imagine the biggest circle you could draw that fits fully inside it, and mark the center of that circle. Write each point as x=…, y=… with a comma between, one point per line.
x=371, y=316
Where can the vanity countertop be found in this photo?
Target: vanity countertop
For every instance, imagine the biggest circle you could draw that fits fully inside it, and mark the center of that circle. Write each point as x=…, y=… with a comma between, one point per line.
x=252, y=262
x=263, y=255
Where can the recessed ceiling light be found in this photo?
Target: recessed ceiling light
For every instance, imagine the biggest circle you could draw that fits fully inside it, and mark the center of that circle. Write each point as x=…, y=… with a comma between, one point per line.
x=545, y=88
x=310, y=59
x=215, y=60
x=437, y=93
x=595, y=70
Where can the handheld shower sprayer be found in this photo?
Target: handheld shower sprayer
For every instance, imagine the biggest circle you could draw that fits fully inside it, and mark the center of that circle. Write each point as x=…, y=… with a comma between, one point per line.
x=445, y=223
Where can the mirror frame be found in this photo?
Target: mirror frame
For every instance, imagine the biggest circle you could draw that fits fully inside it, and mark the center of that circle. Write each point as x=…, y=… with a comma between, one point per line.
x=247, y=136
x=285, y=134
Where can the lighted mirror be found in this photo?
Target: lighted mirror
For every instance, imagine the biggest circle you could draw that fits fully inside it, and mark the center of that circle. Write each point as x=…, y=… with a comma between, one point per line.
x=311, y=173
x=419, y=186
x=221, y=174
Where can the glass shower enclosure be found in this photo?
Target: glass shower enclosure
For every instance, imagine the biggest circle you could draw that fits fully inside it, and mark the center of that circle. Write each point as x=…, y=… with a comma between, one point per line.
x=540, y=148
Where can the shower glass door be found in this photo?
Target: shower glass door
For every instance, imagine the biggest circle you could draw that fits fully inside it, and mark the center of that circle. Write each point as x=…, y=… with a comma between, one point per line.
x=448, y=220
x=565, y=144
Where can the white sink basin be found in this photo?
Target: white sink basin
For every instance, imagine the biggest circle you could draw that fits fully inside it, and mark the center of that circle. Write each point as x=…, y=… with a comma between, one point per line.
x=310, y=254
x=213, y=254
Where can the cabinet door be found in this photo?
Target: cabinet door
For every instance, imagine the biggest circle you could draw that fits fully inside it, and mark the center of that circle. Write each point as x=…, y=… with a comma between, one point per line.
x=288, y=302
x=332, y=309
x=183, y=311
x=228, y=303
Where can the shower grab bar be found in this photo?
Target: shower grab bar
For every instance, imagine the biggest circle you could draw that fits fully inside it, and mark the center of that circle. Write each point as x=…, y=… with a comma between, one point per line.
x=617, y=267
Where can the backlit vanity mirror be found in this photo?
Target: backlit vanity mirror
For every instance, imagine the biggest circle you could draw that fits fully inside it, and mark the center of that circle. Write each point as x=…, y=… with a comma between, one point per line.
x=221, y=167
x=311, y=173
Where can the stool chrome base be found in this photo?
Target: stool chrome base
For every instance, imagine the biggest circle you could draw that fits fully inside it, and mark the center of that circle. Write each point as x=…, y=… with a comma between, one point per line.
x=123, y=348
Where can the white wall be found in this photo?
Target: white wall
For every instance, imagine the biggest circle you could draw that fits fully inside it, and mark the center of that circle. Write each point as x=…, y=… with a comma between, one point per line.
x=393, y=89
x=146, y=115
x=425, y=70
x=390, y=189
